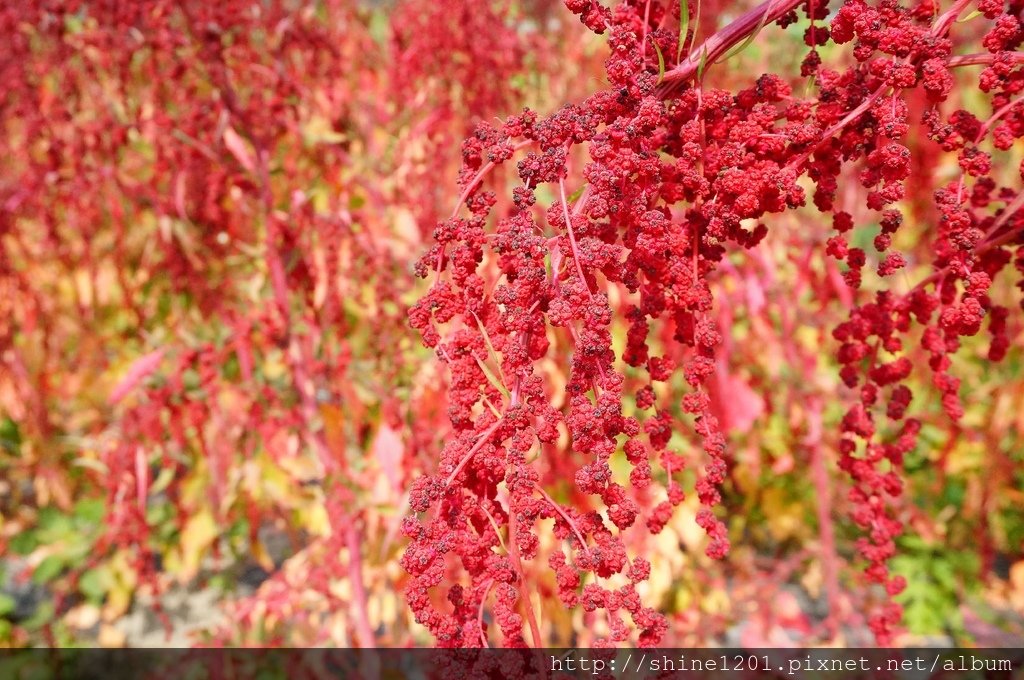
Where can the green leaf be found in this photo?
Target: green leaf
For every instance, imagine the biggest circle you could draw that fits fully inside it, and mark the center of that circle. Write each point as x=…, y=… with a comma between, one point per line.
x=493, y=379
x=970, y=16
x=912, y=543
x=944, y=575
x=91, y=464
x=49, y=569
x=77, y=552
x=954, y=492
x=696, y=24
x=684, y=26
x=52, y=519
x=89, y=510
x=487, y=341
x=661, y=63
x=497, y=380
x=750, y=38
x=379, y=27
x=95, y=583
x=41, y=616
x=7, y=604
x=703, y=63
x=10, y=436
x=576, y=194
x=24, y=543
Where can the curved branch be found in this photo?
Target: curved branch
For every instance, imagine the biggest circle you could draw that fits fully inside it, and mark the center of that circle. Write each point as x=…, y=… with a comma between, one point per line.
x=720, y=43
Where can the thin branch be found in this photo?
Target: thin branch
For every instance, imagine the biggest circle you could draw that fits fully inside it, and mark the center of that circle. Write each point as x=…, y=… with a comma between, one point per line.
x=562, y=513
x=572, y=237
x=981, y=59
x=472, y=452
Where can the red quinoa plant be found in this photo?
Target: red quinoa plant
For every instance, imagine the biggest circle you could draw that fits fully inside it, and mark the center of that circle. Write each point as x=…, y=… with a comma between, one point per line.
x=630, y=207
x=678, y=303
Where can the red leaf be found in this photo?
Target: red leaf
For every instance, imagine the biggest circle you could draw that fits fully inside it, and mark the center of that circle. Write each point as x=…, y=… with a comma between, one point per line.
x=388, y=449
x=142, y=368
x=141, y=479
x=733, y=402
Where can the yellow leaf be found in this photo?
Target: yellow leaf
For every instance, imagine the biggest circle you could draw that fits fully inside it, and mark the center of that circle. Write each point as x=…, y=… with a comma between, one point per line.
x=260, y=555
x=683, y=600
x=239, y=148
x=784, y=517
x=163, y=480
x=716, y=601
x=301, y=468
x=334, y=429
x=317, y=521
x=125, y=578
x=318, y=130
x=274, y=366
x=199, y=533
x=1017, y=575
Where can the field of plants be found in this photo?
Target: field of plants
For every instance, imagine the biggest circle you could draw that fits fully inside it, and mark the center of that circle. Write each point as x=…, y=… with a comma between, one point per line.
x=498, y=323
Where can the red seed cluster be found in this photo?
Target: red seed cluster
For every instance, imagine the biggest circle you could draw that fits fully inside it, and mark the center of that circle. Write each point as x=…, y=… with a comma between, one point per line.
x=676, y=175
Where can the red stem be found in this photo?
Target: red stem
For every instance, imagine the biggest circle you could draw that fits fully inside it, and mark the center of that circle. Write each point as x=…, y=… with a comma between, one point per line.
x=982, y=58
x=720, y=43
x=472, y=452
x=572, y=237
x=465, y=195
x=364, y=632
x=944, y=21
x=560, y=511
x=995, y=118
x=517, y=561
x=819, y=474
x=480, y=612
x=847, y=119
x=986, y=245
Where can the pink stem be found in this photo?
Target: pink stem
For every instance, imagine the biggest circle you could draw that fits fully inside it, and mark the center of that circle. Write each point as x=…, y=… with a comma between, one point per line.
x=647, y=23
x=980, y=59
x=364, y=632
x=572, y=237
x=560, y=511
x=480, y=613
x=939, y=29
x=944, y=21
x=719, y=43
x=472, y=452
x=477, y=178
x=985, y=245
x=995, y=118
x=849, y=118
x=524, y=594
x=1009, y=211
x=819, y=474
